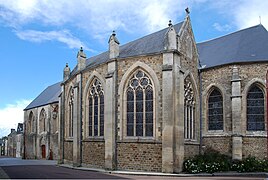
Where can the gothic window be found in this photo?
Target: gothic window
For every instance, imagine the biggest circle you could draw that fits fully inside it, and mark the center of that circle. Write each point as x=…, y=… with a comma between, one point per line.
x=70, y=113
x=255, y=109
x=215, y=111
x=31, y=127
x=96, y=109
x=42, y=121
x=139, y=106
x=189, y=109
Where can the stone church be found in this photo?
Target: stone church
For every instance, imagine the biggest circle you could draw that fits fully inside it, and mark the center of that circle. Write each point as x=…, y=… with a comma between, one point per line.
x=41, y=125
x=153, y=102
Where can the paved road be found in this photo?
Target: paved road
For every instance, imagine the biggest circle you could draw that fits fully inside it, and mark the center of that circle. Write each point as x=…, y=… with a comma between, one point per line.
x=15, y=168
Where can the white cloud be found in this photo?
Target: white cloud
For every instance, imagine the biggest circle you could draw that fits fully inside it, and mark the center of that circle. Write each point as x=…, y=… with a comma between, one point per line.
x=11, y=115
x=221, y=28
x=248, y=12
x=94, y=17
x=239, y=13
x=63, y=36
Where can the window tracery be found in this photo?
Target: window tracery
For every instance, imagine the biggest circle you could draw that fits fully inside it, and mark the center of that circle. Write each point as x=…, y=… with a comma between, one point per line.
x=255, y=109
x=96, y=109
x=139, y=106
x=189, y=109
x=215, y=110
x=71, y=113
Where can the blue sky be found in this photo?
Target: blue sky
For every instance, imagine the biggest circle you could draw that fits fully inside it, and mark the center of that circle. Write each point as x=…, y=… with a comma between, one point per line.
x=38, y=37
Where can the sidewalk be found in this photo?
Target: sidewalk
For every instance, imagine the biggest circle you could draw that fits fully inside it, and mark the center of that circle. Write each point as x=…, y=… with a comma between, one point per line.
x=141, y=173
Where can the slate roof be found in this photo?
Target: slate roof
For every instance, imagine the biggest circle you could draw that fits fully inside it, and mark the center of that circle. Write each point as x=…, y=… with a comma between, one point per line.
x=150, y=44
x=48, y=96
x=247, y=45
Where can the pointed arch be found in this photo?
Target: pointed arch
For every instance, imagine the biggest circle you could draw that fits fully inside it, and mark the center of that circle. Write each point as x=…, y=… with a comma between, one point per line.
x=253, y=107
x=94, y=105
x=31, y=123
x=42, y=121
x=190, y=108
x=214, y=102
x=142, y=96
x=69, y=112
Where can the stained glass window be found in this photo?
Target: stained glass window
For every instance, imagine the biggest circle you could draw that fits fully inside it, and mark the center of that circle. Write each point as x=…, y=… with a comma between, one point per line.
x=189, y=109
x=255, y=109
x=215, y=111
x=140, y=108
x=96, y=109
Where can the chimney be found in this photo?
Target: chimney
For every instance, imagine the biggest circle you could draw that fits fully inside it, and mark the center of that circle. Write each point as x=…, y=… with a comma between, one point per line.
x=66, y=72
x=113, y=46
x=81, y=60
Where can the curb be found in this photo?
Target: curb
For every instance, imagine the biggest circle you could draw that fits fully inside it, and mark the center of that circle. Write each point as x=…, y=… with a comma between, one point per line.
x=141, y=173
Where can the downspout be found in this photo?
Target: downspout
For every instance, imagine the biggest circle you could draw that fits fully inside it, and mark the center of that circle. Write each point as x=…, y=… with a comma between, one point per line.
x=267, y=109
x=81, y=125
x=24, y=138
x=62, y=120
x=200, y=111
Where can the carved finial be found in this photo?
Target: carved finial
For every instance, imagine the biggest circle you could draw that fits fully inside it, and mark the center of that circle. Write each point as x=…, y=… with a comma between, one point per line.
x=81, y=49
x=187, y=10
x=113, y=33
x=66, y=65
x=169, y=23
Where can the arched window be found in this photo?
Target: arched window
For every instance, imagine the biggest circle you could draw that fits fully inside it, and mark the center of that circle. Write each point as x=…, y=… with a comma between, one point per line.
x=215, y=110
x=255, y=109
x=31, y=127
x=70, y=113
x=140, y=106
x=96, y=109
x=189, y=109
x=42, y=121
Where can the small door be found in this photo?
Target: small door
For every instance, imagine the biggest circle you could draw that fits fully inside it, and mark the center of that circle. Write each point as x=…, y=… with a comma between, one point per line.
x=43, y=151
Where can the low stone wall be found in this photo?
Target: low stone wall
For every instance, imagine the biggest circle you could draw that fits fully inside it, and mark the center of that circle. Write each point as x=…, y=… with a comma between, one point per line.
x=93, y=154
x=68, y=150
x=255, y=146
x=221, y=144
x=139, y=156
x=190, y=150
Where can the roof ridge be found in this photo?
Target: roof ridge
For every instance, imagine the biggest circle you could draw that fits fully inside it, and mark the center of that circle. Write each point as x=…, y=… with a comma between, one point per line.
x=231, y=33
x=135, y=40
x=151, y=34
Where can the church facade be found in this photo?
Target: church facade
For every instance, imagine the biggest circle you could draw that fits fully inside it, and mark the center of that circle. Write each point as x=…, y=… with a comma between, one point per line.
x=153, y=102
x=41, y=125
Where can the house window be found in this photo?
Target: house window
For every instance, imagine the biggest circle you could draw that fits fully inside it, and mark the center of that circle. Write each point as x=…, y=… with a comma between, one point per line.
x=96, y=109
x=140, y=106
x=255, y=109
x=215, y=111
x=71, y=113
x=189, y=110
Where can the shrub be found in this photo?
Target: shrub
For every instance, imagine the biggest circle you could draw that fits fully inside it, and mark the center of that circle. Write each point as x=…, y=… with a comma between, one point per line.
x=211, y=161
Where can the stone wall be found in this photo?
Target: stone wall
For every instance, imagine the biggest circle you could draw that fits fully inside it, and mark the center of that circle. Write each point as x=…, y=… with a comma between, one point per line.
x=68, y=150
x=255, y=146
x=190, y=150
x=139, y=156
x=220, y=144
x=93, y=154
x=155, y=63
x=54, y=146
